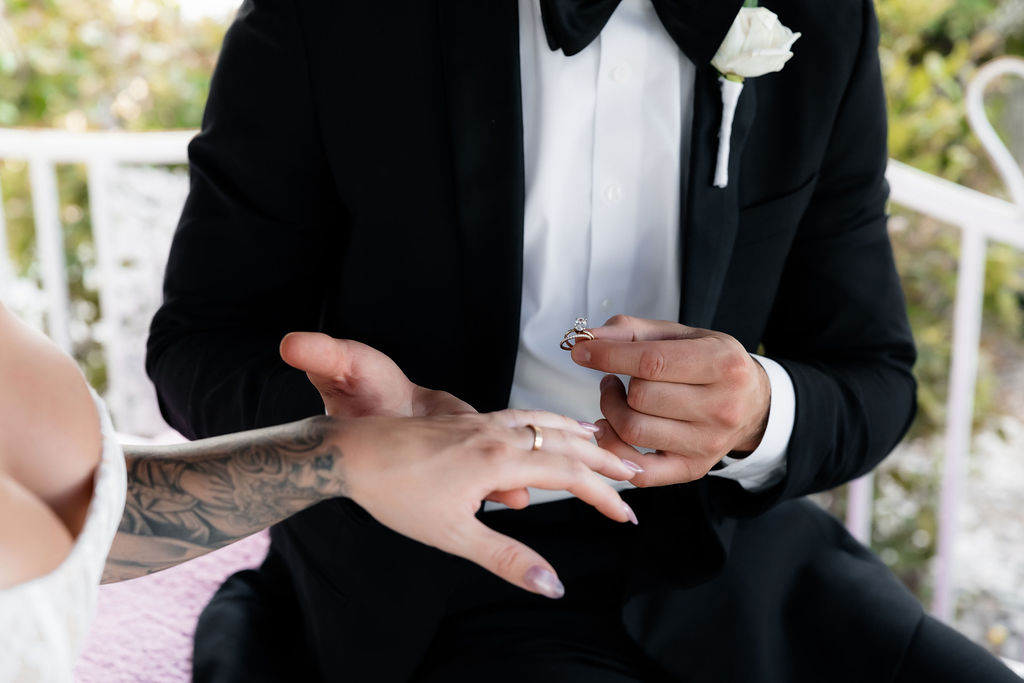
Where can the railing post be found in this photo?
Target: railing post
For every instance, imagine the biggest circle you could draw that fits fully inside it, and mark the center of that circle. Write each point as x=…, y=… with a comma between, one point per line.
x=50, y=247
x=6, y=266
x=970, y=290
x=99, y=172
x=860, y=496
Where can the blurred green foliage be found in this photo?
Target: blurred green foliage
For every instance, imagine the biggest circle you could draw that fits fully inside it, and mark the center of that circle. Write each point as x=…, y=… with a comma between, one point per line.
x=138, y=65
x=93, y=65
x=99, y=64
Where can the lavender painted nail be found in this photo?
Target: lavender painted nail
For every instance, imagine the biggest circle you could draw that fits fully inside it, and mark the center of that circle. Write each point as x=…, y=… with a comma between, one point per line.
x=589, y=426
x=630, y=513
x=632, y=465
x=544, y=582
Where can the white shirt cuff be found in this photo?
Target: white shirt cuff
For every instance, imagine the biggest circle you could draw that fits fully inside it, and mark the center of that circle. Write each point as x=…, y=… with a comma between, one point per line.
x=766, y=466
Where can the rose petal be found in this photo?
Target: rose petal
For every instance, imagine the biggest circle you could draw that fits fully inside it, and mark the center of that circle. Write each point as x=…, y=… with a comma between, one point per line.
x=732, y=45
x=759, y=35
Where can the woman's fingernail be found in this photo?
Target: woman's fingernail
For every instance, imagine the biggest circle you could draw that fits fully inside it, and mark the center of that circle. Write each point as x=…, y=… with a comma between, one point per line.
x=632, y=465
x=629, y=513
x=581, y=354
x=544, y=582
x=589, y=426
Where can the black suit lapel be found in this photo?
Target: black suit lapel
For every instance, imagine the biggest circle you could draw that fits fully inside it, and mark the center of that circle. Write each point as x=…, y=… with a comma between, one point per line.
x=711, y=214
x=480, y=44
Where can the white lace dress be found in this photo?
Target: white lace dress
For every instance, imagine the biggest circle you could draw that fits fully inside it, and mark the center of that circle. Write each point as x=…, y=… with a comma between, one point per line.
x=44, y=621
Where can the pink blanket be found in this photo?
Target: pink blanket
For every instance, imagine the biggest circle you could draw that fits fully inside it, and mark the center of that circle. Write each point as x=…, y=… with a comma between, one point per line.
x=143, y=628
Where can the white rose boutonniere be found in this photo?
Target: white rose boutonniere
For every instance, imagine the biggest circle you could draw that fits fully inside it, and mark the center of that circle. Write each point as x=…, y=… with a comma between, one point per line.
x=757, y=44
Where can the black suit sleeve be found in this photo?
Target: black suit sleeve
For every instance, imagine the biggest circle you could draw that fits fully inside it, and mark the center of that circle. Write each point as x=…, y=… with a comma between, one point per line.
x=250, y=255
x=839, y=323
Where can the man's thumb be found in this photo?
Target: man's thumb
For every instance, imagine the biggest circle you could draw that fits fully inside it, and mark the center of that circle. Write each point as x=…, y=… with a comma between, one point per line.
x=314, y=353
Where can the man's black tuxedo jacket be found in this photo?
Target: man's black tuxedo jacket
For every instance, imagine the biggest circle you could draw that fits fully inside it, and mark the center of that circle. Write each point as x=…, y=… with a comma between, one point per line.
x=360, y=172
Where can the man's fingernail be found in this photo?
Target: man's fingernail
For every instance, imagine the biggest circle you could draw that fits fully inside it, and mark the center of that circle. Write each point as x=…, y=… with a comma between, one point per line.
x=605, y=381
x=599, y=434
x=632, y=465
x=629, y=513
x=544, y=582
x=589, y=426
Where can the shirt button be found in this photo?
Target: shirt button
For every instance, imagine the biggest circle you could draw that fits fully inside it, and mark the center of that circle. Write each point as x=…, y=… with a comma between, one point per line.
x=613, y=193
x=620, y=73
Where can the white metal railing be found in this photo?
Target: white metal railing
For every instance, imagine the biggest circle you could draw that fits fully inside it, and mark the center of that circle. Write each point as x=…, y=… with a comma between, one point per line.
x=982, y=219
x=130, y=249
x=100, y=152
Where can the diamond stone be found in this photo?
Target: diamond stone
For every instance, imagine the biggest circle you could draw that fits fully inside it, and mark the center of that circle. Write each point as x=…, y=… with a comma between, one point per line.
x=580, y=324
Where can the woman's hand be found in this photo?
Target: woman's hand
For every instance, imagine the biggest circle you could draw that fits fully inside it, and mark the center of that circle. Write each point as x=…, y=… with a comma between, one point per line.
x=356, y=380
x=426, y=477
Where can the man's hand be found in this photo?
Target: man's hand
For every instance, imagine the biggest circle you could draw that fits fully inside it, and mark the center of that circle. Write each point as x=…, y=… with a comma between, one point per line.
x=356, y=380
x=695, y=396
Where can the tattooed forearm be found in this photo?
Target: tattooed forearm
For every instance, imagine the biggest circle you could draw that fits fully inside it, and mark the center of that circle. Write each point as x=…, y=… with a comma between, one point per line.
x=186, y=500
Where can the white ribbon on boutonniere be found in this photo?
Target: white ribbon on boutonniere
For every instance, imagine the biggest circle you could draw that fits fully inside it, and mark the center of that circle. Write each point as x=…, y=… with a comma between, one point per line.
x=757, y=44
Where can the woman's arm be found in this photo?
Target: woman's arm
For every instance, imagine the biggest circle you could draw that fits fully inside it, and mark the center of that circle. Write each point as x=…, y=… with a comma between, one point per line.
x=186, y=500
x=424, y=477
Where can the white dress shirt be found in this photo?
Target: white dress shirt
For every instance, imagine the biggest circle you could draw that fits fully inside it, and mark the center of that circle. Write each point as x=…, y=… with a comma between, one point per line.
x=606, y=136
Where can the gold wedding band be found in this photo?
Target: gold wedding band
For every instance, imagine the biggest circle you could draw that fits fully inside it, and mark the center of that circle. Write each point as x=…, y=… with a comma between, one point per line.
x=538, y=437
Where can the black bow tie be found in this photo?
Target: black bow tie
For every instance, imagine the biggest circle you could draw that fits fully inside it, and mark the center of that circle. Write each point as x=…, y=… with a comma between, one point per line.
x=698, y=27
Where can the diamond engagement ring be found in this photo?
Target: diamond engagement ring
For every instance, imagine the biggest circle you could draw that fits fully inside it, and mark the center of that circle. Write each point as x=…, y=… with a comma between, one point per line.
x=579, y=331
